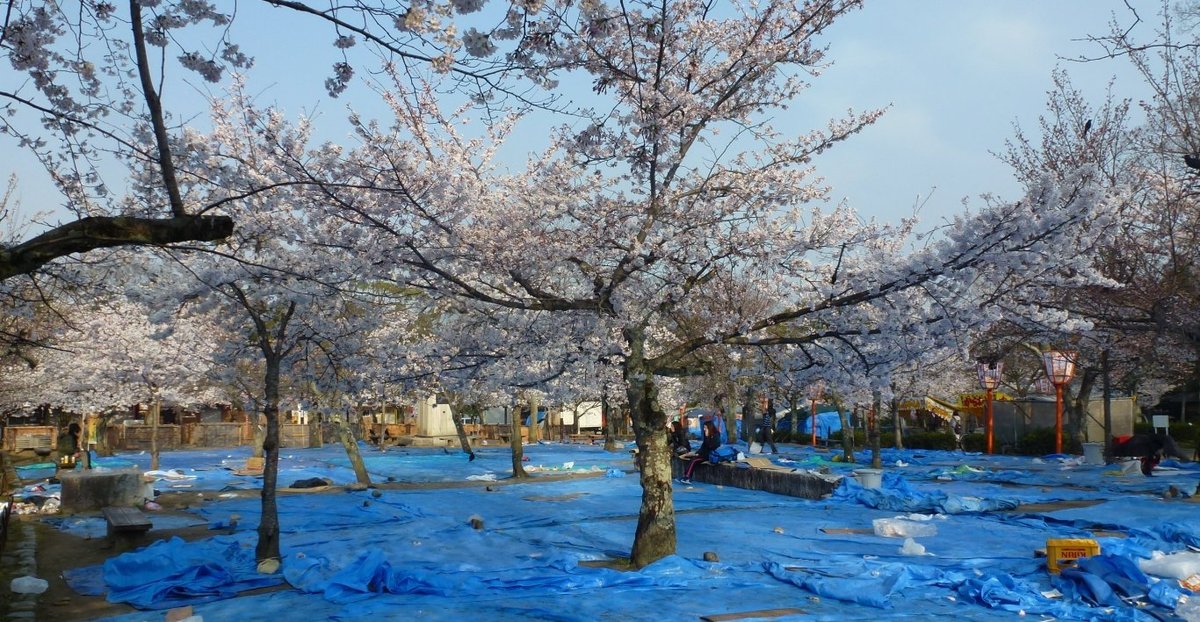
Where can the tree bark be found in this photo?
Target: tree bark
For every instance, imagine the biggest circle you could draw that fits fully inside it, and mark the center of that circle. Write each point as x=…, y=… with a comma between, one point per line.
x=847, y=435
x=534, y=435
x=1079, y=414
x=518, y=454
x=356, y=460
x=795, y=402
x=456, y=417
x=156, y=412
x=96, y=232
x=655, y=535
x=749, y=416
x=730, y=411
x=898, y=430
x=610, y=425
x=268, y=526
x=873, y=432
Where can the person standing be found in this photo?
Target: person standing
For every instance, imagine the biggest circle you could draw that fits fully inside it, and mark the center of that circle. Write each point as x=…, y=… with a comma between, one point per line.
x=766, y=433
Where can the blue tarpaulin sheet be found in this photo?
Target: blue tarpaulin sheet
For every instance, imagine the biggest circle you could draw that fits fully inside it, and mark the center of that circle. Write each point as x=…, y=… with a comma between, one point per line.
x=413, y=553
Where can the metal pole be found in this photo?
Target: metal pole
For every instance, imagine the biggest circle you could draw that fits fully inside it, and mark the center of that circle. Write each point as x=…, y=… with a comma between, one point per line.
x=1058, y=417
x=812, y=416
x=990, y=393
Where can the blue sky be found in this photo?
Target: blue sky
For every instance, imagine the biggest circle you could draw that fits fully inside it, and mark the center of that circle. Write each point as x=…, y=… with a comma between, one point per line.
x=956, y=73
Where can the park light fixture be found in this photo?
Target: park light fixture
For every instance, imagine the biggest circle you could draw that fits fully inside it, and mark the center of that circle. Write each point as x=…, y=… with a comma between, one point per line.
x=815, y=392
x=989, y=379
x=1060, y=369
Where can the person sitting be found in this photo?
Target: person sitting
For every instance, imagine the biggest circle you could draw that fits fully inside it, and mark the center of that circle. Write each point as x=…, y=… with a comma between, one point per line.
x=711, y=441
x=679, y=438
x=1150, y=449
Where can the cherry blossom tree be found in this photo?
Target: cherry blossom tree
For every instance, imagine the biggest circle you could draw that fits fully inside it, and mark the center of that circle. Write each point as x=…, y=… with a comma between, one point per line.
x=1143, y=320
x=108, y=355
x=678, y=194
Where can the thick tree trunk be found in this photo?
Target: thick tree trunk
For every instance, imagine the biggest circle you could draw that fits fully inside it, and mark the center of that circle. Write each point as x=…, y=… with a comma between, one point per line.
x=655, y=535
x=361, y=477
x=1079, y=414
x=268, y=526
x=456, y=417
x=873, y=432
x=897, y=430
x=518, y=454
x=316, y=438
x=260, y=434
x=102, y=448
x=155, y=413
x=610, y=425
x=795, y=402
x=534, y=436
x=730, y=410
x=847, y=435
x=750, y=416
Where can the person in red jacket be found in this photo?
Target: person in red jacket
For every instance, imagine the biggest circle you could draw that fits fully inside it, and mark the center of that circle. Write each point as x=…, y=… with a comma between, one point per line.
x=1149, y=448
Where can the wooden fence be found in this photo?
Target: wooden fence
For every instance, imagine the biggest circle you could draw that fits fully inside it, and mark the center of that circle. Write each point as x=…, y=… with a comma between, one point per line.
x=30, y=437
x=138, y=437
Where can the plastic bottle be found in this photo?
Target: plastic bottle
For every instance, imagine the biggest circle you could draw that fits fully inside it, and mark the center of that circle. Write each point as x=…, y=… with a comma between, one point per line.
x=29, y=585
x=1189, y=608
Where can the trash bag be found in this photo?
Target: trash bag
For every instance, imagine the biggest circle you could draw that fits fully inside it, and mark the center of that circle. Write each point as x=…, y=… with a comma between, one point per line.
x=312, y=482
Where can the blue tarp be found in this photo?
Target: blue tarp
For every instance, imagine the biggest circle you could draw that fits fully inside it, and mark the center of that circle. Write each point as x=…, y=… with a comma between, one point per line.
x=414, y=554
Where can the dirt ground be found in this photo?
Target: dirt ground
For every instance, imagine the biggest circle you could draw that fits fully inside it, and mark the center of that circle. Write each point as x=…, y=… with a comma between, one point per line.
x=58, y=551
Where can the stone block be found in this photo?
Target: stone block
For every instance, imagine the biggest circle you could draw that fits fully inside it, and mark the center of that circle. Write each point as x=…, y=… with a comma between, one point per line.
x=92, y=490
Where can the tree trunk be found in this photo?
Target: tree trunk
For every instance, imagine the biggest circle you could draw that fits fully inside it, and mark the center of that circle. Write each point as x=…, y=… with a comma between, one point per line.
x=518, y=455
x=655, y=535
x=795, y=401
x=102, y=448
x=362, y=478
x=729, y=408
x=456, y=417
x=847, y=435
x=873, y=432
x=155, y=412
x=898, y=430
x=268, y=526
x=260, y=434
x=534, y=435
x=610, y=425
x=316, y=438
x=750, y=416
x=1079, y=414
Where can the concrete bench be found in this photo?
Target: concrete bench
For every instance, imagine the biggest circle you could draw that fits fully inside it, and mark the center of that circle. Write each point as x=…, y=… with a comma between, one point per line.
x=125, y=522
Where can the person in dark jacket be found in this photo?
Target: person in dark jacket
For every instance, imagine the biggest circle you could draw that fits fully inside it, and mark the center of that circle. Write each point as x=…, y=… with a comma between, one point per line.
x=766, y=433
x=711, y=441
x=679, y=438
x=1149, y=448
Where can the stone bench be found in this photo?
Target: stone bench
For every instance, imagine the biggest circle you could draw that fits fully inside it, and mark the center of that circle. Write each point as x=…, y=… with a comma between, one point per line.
x=125, y=523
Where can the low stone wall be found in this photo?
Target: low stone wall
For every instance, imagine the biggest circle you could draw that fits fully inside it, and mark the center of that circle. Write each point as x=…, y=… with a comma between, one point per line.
x=779, y=481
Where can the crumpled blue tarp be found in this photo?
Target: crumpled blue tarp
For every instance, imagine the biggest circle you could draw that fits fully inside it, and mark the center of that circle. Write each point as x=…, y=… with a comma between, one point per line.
x=372, y=573
x=172, y=573
x=872, y=586
x=897, y=495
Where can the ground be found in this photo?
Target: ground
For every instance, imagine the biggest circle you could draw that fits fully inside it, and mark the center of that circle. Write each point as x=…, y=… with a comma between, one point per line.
x=448, y=539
